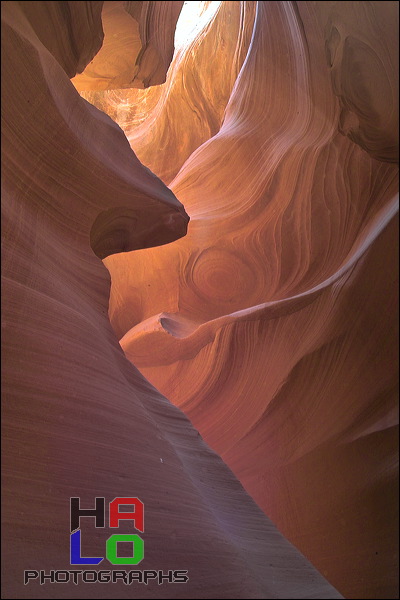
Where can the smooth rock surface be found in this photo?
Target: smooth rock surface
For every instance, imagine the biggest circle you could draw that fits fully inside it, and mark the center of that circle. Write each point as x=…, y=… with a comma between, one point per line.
x=78, y=418
x=273, y=323
x=137, y=49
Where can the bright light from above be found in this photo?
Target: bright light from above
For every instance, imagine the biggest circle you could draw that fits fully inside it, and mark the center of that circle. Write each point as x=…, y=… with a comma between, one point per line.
x=193, y=18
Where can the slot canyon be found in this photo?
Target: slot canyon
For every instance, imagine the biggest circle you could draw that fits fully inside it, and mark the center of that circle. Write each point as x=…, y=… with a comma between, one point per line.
x=200, y=298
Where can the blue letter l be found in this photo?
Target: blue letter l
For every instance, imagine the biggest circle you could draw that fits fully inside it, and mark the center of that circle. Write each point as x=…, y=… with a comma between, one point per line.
x=76, y=558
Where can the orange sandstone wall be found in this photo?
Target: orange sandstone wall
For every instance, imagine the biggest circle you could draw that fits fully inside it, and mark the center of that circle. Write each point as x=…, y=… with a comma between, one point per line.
x=272, y=324
x=78, y=418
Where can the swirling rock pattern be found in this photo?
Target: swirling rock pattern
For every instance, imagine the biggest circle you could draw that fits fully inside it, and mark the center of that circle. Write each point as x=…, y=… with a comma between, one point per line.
x=272, y=323
x=158, y=117
x=78, y=418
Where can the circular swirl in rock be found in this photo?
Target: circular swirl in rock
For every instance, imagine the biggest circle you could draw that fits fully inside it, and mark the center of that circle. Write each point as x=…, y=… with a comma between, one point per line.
x=220, y=276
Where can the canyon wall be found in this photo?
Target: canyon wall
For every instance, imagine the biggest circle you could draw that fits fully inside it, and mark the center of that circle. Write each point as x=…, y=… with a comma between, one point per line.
x=273, y=324
x=78, y=419
x=268, y=320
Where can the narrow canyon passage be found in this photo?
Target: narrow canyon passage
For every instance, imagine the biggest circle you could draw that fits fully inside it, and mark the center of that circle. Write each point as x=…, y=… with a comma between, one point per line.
x=213, y=185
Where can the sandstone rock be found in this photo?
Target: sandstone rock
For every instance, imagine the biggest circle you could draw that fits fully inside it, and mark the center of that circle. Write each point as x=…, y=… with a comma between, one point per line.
x=78, y=418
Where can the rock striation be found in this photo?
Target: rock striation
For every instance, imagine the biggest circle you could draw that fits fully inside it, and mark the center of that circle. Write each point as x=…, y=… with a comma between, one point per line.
x=272, y=324
x=78, y=418
x=270, y=321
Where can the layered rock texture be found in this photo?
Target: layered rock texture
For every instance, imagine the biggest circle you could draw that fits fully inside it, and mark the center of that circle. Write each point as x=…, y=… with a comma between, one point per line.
x=268, y=320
